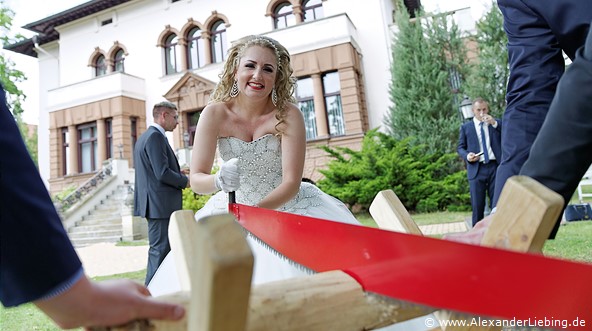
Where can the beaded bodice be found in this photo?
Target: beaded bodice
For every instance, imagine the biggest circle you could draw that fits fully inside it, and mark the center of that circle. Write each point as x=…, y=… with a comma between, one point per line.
x=260, y=163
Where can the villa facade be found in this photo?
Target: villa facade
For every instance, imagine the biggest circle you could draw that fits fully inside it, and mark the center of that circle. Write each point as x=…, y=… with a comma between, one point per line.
x=105, y=63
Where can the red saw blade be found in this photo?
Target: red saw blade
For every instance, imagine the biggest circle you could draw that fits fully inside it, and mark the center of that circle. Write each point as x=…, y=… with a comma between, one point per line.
x=438, y=273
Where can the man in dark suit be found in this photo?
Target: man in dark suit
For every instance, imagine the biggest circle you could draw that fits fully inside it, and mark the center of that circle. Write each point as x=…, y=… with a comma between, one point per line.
x=539, y=31
x=37, y=261
x=479, y=144
x=159, y=182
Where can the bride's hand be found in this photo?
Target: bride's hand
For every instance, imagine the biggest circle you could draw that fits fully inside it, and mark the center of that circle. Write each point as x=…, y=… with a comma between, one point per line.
x=228, y=178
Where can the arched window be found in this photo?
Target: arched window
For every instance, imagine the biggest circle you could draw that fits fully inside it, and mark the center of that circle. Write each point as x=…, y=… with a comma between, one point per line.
x=118, y=61
x=312, y=10
x=172, y=54
x=100, y=66
x=218, y=42
x=195, y=49
x=283, y=16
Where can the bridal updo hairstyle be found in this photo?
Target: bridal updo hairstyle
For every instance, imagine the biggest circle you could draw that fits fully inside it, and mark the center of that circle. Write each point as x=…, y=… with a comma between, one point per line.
x=284, y=83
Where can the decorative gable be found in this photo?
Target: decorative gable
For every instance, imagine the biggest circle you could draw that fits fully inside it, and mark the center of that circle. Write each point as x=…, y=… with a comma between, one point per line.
x=191, y=92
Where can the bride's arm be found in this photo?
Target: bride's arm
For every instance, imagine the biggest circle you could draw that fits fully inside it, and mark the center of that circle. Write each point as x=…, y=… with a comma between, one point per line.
x=293, y=153
x=204, y=149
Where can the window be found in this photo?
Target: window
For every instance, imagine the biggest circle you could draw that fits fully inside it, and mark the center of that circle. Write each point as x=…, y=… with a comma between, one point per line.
x=65, y=151
x=331, y=88
x=192, y=119
x=305, y=97
x=218, y=42
x=171, y=54
x=312, y=10
x=195, y=49
x=109, y=136
x=118, y=61
x=283, y=16
x=134, y=131
x=100, y=66
x=88, y=159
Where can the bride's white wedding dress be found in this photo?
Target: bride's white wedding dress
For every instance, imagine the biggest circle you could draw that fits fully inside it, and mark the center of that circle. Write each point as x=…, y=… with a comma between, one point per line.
x=260, y=162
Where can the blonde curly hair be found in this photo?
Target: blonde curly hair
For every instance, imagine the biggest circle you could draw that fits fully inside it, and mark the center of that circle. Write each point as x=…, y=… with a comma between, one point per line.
x=284, y=84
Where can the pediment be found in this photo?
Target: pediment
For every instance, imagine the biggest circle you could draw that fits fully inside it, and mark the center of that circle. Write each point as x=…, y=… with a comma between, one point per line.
x=191, y=92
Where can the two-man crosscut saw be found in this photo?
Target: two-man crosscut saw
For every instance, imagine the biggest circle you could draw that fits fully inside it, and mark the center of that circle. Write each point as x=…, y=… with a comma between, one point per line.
x=438, y=273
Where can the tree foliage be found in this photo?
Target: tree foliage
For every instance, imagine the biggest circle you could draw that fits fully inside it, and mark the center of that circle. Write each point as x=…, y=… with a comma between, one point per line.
x=488, y=75
x=422, y=181
x=425, y=53
x=10, y=76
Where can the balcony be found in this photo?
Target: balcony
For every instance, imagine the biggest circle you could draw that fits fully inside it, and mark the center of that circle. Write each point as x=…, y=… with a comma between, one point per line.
x=326, y=32
x=111, y=85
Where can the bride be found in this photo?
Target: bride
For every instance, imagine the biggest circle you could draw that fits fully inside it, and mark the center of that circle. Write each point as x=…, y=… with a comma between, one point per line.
x=259, y=132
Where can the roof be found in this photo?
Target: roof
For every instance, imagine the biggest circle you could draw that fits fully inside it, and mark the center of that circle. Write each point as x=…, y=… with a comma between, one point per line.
x=46, y=27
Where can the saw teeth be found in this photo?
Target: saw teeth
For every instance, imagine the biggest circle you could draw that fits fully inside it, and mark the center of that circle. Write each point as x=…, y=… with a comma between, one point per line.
x=278, y=254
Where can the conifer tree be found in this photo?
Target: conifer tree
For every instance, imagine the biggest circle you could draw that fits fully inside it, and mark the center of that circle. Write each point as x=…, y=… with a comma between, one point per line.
x=425, y=53
x=488, y=74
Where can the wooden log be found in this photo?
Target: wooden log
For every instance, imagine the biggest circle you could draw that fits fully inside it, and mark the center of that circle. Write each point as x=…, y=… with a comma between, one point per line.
x=326, y=301
x=389, y=213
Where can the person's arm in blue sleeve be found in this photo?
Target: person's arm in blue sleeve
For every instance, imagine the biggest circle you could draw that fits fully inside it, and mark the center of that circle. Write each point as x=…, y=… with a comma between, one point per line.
x=38, y=262
x=562, y=152
x=536, y=65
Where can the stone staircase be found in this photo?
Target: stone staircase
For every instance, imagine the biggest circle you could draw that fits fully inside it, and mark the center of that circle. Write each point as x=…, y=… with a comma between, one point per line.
x=103, y=223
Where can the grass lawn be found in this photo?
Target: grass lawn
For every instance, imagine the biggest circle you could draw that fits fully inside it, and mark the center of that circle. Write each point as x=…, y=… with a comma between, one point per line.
x=574, y=241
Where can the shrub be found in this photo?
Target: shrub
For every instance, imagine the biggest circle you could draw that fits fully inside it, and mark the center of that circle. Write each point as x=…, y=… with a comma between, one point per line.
x=194, y=201
x=60, y=196
x=422, y=181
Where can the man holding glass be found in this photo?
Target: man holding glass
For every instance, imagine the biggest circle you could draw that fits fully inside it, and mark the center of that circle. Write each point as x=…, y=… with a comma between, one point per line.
x=479, y=144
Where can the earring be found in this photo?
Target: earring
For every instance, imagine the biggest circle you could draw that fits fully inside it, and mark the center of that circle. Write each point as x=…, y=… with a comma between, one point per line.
x=274, y=97
x=234, y=90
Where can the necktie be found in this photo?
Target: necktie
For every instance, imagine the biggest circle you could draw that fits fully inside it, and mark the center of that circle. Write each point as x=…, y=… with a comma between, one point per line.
x=484, y=144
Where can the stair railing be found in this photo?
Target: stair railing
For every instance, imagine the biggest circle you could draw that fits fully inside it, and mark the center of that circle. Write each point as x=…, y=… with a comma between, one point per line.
x=87, y=187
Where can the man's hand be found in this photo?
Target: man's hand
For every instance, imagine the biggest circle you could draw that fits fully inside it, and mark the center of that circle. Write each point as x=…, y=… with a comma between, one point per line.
x=185, y=171
x=472, y=157
x=108, y=303
x=473, y=236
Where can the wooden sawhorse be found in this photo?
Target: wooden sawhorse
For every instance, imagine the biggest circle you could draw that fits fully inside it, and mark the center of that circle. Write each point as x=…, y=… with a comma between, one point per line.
x=215, y=263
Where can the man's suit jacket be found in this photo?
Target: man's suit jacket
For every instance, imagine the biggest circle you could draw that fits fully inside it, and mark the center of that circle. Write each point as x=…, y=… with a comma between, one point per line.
x=36, y=256
x=159, y=181
x=468, y=141
x=538, y=31
x=562, y=152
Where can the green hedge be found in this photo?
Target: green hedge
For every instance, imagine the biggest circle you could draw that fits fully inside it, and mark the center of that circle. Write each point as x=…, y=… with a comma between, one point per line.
x=423, y=182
